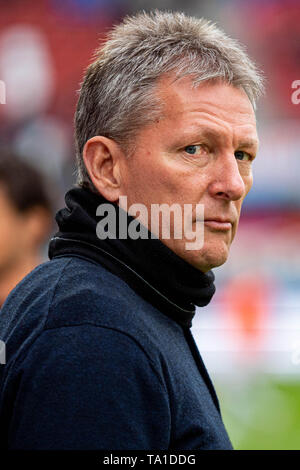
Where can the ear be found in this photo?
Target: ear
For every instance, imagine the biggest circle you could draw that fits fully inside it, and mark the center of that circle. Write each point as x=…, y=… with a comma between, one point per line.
x=102, y=159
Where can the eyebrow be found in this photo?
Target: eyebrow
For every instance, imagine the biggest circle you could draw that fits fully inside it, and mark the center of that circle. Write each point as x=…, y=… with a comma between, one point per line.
x=209, y=133
x=249, y=143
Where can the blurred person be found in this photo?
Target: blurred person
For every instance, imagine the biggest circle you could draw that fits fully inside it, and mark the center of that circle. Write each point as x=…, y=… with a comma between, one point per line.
x=25, y=221
x=100, y=350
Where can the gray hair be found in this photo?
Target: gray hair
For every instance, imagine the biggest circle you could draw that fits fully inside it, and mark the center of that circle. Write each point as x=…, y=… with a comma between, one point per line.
x=117, y=96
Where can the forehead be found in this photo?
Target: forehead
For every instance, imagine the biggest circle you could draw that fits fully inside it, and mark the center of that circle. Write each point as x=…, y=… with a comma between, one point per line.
x=221, y=107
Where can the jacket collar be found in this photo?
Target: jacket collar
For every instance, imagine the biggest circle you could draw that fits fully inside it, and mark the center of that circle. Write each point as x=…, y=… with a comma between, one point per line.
x=148, y=266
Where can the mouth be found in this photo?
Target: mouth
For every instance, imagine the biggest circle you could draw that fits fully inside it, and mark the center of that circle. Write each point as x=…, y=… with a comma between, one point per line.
x=217, y=223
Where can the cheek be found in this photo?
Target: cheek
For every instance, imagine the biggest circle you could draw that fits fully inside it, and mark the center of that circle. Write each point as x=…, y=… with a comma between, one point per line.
x=155, y=178
x=148, y=180
x=248, y=181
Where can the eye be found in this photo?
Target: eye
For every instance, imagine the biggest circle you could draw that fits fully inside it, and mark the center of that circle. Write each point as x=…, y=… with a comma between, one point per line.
x=244, y=156
x=194, y=149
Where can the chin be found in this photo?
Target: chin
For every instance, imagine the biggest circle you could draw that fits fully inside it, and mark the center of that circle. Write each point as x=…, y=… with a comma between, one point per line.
x=210, y=256
x=206, y=259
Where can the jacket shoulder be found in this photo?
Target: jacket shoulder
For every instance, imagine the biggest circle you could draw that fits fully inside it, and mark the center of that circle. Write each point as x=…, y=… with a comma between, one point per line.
x=73, y=292
x=88, y=293
x=60, y=292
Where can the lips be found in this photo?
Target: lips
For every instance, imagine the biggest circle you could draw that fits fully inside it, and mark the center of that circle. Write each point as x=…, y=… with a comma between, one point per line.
x=218, y=224
x=218, y=219
x=224, y=223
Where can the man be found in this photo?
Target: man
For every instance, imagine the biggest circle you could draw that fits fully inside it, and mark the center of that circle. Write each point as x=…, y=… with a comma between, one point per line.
x=26, y=220
x=99, y=349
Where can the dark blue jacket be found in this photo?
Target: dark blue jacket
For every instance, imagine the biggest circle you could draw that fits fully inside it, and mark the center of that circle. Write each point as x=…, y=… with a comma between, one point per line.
x=92, y=365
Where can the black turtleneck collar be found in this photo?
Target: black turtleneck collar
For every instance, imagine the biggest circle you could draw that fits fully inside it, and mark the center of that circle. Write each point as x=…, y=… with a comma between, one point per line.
x=154, y=271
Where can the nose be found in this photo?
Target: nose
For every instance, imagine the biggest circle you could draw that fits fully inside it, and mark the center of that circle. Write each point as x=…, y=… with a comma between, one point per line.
x=227, y=182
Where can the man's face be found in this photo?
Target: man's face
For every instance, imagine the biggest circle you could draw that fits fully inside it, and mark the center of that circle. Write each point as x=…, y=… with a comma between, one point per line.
x=199, y=152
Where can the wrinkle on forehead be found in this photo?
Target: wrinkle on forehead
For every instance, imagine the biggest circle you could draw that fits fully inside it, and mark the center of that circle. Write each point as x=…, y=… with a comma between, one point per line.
x=220, y=105
x=216, y=98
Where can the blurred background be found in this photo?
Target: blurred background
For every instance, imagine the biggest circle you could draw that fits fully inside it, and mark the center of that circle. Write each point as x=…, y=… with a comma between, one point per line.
x=249, y=336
